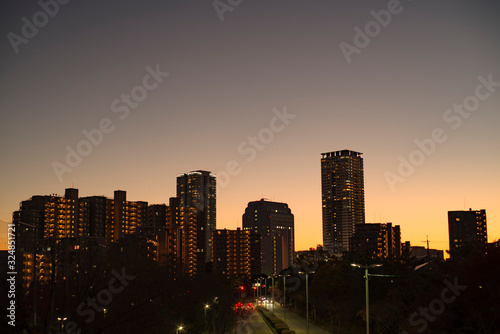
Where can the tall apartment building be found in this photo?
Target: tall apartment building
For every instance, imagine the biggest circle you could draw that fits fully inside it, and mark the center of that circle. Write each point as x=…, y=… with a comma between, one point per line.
x=232, y=253
x=98, y=214
x=29, y=222
x=55, y=230
x=273, y=225
x=376, y=240
x=467, y=228
x=180, y=240
x=343, y=198
x=197, y=189
x=124, y=217
x=156, y=221
x=54, y=234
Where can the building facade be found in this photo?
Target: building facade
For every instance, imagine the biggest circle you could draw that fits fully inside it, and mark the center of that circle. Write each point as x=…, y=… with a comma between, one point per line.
x=197, y=189
x=272, y=226
x=343, y=198
x=377, y=241
x=467, y=229
x=180, y=240
x=231, y=256
x=422, y=253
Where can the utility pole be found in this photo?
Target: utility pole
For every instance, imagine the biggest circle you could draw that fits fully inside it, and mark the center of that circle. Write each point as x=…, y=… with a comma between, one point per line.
x=367, y=294
x=428, y=251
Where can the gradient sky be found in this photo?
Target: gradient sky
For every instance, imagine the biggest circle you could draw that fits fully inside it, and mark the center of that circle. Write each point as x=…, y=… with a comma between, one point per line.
x=226, y=77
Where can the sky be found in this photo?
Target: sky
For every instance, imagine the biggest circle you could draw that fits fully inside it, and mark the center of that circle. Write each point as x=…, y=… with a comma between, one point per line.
x=255, y=91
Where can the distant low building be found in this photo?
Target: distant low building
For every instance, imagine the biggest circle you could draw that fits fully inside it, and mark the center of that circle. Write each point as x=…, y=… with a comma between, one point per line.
x=377, y=240
x=314, y=255
x=405, y=249
x=420, y=252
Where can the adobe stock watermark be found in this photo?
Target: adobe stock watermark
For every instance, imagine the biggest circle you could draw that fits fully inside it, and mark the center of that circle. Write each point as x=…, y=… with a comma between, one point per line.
x=103, y=298
x=453, y=116
x=30, y=28
x=373, y=28
x=223, y=6
x=122, y=106
x=436, y=307
x=250, y=147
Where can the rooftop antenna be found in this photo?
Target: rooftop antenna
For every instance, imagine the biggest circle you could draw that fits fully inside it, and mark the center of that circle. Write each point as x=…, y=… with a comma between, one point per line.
x=428, y=251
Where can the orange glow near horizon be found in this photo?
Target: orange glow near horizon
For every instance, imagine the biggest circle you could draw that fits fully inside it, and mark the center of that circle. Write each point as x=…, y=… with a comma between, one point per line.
x=418, y=213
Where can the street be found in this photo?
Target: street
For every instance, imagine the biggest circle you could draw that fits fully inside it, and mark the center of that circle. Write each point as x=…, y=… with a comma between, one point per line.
x=294, y=322
x=254, y=324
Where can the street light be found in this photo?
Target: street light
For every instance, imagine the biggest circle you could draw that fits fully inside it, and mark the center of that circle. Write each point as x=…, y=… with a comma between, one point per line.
x=272, y=291
x=265, y=290
x=259, y=292
x=205, y=309
x=366, y=291
x=179, y=329
x=61, y=322
x=284, y=295
x=307, y=296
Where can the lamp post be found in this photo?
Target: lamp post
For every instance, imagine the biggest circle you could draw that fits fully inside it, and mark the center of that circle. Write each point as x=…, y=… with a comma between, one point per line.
x=179, y=329
x=366, y=291
x=272, y=291
x=205, y=309
x=307, y=296
x=258, y=290
x=265, y=290
x=61, y=322
x=284, y=295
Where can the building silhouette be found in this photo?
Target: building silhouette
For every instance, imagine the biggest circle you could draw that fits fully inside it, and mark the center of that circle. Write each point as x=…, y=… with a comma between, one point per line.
x=57, y=233
x=197, y=189
x=343, y=198
x=272, y=227
x=180, y=241
x=377, y=240
x=467, y=230
x=231, y=256
x=422, y=253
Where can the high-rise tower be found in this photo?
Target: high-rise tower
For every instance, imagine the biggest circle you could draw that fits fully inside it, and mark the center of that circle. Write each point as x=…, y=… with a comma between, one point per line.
x=272, y=230
x=343, y=198
x=197, y=189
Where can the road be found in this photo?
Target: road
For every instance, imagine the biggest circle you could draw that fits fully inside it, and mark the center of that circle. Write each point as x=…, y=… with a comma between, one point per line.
x=254, y=324
x=294, y=322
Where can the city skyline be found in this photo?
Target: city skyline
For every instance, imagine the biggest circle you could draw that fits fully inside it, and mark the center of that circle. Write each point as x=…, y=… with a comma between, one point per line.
x=255, y=98
x=240, y=223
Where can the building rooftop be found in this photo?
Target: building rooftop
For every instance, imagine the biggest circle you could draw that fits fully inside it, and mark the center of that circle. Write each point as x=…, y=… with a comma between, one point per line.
x=341, y=153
